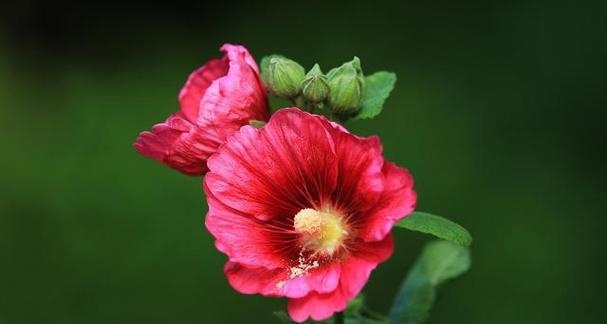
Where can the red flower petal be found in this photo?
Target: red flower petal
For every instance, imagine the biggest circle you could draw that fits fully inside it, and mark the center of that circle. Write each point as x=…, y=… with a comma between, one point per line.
x=175, y=142
x=231, y=101
x=254, y=280
x=317, y=306
x=245, y=239
x=216, y=100
x=276, y=282
x=397, y=201
x=360, y=181
x=192, y=92
x=288, y=165
x=355, y=272
x=322, y=280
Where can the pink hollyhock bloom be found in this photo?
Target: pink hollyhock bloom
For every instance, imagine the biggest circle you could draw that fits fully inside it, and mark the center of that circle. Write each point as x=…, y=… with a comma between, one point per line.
x=216, y=100
x=303, y=209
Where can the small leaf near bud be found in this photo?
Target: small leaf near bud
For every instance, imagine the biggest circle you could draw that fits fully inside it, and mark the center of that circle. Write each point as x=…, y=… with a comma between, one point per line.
x=347, y=87
x=284, y=77
x=315, y=87
x=257, y=123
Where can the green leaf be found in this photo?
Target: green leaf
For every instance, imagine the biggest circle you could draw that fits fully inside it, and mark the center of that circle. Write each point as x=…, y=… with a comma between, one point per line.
x=378, y=88
x=437, y=226
x=355, y=306
x=357, y=313
x=264, y=66
x=282, y=316
x=439, y=262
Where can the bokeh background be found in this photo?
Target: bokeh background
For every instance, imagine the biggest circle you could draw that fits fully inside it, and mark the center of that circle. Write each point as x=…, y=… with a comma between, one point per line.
x=499, y=112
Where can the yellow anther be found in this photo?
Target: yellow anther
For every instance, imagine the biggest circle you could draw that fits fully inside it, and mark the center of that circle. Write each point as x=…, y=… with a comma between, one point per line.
x=321, y=231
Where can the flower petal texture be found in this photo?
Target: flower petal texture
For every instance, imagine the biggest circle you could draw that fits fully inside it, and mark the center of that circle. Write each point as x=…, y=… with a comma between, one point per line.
x=303, y=209
x=216, y=100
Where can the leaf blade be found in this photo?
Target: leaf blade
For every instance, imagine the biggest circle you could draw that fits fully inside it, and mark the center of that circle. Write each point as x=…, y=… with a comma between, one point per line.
x=282, y=316
x=439, y=261
x=438, y=226
x=378, y=88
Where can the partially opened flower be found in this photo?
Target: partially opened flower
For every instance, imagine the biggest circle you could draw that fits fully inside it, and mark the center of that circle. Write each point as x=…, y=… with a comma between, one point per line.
x=303, y=209
x=216, y=100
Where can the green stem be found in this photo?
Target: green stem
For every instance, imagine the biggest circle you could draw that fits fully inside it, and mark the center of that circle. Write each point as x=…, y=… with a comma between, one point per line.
x=339, y=318
x=338, y=119
x=374, y=315
x=301, y=103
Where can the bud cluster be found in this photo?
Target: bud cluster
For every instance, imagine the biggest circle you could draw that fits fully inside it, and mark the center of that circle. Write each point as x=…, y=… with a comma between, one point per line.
x=341, y=90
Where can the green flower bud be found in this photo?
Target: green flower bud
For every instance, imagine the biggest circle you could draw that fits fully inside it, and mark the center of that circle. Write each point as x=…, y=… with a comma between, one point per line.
x=347, y=84
x=285, y=77
x=315, y=87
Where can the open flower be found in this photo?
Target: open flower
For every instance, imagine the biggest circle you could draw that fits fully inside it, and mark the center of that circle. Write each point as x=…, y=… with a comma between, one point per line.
x=303, y=209
x=216, y=100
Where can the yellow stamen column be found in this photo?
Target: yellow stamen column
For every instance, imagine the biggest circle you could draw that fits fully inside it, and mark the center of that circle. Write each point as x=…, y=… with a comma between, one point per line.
x=321, y=231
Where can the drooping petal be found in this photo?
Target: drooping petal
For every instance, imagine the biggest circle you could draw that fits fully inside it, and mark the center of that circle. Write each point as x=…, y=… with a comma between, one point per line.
x=175, y=143
x=397, y=201
x=355, y=272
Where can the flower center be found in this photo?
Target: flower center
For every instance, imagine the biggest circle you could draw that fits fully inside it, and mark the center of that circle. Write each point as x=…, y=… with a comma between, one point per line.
x=321, y=231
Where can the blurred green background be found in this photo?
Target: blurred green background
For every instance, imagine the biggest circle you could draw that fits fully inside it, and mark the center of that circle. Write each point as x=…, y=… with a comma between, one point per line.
x=499, y=112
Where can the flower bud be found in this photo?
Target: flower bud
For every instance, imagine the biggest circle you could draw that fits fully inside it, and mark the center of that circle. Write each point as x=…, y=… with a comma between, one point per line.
x=285, y=77
x=347, y=87
x=315, y=87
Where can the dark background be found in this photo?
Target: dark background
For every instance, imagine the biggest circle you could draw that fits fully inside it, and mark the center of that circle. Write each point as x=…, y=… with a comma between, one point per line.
x=499, y=112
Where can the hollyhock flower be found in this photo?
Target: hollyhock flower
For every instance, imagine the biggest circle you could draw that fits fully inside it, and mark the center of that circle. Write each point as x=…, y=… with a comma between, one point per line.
x=303, y=209
x=216, y=100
